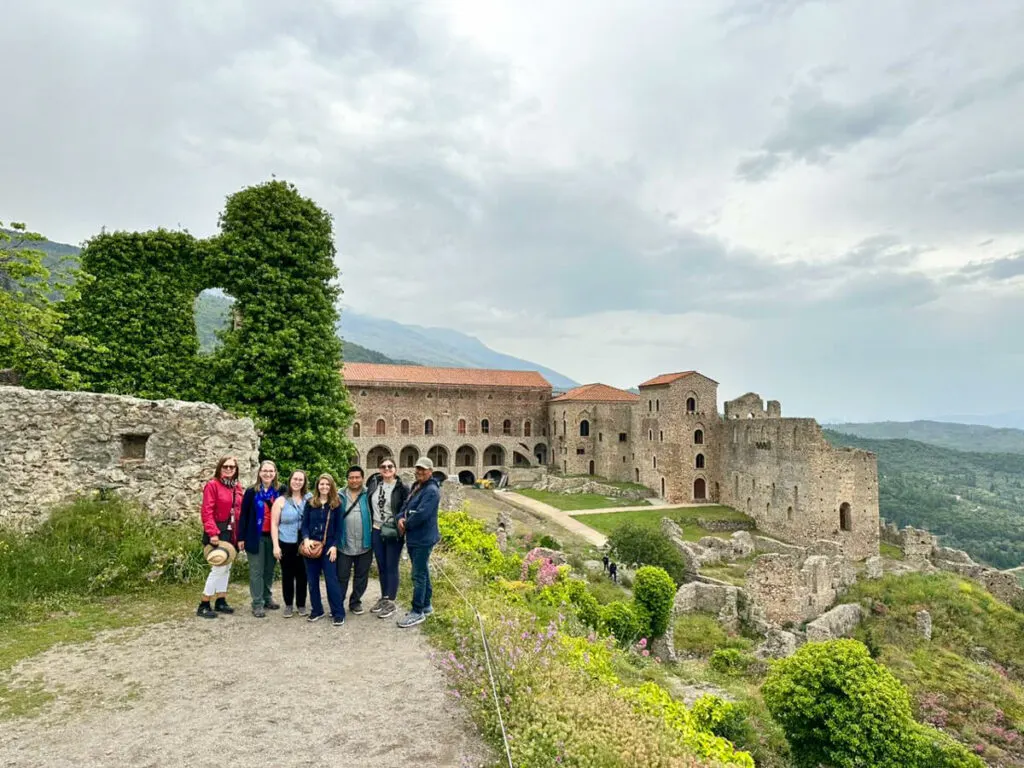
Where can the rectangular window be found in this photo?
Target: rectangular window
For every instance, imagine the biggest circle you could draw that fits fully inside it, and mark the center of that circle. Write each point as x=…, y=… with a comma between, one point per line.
x=580, y=451
x=133, y=447
x=623, y=437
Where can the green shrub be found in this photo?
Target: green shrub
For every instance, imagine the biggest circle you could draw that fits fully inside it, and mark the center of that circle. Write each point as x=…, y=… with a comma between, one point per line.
x=655, y=591
x=634, y=543
x=96, y=547
x=839, y=707
x=468, y=538
x=698, y=633
x=723, y=718
x=549, y=542
x=620, y=619
x=730, y=661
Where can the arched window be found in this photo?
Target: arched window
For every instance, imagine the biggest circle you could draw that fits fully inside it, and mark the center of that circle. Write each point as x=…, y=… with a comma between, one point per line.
x=527, y=428
x=506, y=427
x=698, y=437
x=584, y=428
x=650, y=406
x=405, y=426
x=845, y=517
x=381, y=427
x=462, y=426
x=661, y=435
x=789, y=514
x=637, y=470
x=356, y=429
x=485, y=427
x=650, y=434
x=657, y=405
x=691, y=405
x=663, y=487
x=428, y=427
x=700, y=461
x=655, y=462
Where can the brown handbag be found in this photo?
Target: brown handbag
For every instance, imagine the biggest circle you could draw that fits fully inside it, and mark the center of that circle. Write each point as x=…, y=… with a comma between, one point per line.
x=314, y=549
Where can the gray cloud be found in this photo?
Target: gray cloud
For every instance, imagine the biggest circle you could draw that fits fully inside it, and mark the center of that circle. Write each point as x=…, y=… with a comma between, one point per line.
x=996, y=270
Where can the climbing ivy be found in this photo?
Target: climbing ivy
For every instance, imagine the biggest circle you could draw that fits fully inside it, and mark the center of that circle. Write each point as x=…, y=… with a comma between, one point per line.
x=137, y=313
x=281, y=362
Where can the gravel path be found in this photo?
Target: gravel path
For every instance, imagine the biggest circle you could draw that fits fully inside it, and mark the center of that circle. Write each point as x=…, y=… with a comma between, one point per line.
x=244, y=691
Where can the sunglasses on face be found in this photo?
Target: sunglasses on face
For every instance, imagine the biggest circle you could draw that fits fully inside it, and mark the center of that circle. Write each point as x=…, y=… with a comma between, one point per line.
x=387, y=466
x=229, y=466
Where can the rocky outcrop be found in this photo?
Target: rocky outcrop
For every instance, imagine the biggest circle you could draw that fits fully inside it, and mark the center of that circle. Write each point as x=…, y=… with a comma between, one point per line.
x=453, y=495
x=790, y=589
x=841, y=621
x=778, y=644
x=720, y=601
x=873, y=568
x=924, y=624
x=570, y=485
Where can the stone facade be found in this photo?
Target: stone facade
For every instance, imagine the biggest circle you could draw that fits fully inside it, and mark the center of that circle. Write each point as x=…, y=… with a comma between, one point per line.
x=670, y=438
x=787, y=589
x=55, y=445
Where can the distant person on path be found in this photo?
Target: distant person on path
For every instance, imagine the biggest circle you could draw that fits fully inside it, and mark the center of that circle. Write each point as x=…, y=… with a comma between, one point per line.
x=417, y=521
x=604, y=561
x=222, y=502
x=386, y=493
x=286, y=517
x=355, y=535
x=254, y=535
x=320, y=528
x=613, y=572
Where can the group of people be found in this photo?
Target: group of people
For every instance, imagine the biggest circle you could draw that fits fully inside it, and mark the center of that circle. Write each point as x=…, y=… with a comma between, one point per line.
x=317, y=533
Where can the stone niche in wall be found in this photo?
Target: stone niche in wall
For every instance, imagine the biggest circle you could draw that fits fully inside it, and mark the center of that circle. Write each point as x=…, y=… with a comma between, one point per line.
x=57, y=445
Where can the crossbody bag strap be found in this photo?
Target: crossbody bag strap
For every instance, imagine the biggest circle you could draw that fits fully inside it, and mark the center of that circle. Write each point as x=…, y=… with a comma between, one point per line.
x=323, y=541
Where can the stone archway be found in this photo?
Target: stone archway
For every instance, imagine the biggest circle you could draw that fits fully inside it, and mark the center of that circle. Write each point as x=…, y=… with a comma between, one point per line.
x=377, y=454
x=494, y=456
x=439, y=455
x=465, y=456
x=700, y=489
x=541, y=452
x=408, y=457
x=466, y=477
x=519, y=460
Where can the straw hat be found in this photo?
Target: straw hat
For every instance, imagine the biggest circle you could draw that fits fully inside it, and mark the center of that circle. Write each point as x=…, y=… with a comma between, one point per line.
x=222, y=554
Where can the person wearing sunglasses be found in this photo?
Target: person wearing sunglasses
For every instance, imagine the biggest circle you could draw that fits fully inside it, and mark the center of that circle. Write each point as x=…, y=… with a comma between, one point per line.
x=222, y=502
x=387, y=494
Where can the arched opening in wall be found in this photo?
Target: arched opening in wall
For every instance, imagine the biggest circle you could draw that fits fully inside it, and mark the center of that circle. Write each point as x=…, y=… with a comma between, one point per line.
x=527, y=428
x=564, y=427
x=541, y=452
x=404, y=427
x=565, y=467
x=485, y=427
x=655, y=461
x=462, y=427
x=494, y=476
x=650, y=434
x=748, y=505
x=700, y=489
x=590, y=467
x=845, y=517
x=428, y=427
x=736, y=489
x=767, y=510
x=796, y=495
x=663, y=487
x=466, y=477
x=518, y=460
x=584, y=428
x=657, y=406
x=439, y=455
x=789, y=514
x=699, y=463
x=356, y=429
x=637, y=471
x=408, y=457
x=381, y=427
x=213, y=312
x=377, y=454
x=506, y=427
x=691, y=405
x=439, y=476
x=494, y=456
x=465, y=456
x=698, y=437
x=661, y=435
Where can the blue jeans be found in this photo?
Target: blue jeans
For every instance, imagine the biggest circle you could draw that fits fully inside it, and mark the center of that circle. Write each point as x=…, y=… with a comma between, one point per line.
x=314, y=568
x=387, y=553
x=422, y=591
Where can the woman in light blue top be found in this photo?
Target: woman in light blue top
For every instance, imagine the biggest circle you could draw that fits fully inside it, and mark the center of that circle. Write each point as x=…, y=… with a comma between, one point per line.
x=286, y=515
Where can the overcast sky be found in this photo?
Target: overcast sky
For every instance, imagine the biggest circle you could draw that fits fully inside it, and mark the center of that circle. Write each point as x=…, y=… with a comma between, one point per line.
x=819, y=201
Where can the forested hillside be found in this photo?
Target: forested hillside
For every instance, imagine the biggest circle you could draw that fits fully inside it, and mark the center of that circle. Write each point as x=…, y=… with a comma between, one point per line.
x=975, y=501
x=959, y=437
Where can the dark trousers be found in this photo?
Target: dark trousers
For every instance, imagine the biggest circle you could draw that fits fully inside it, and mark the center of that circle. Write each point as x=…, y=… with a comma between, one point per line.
x=361, y=564
x=387, y=552
x=422, y=591
x=261, y=572
x=293, y=575
x=314, y=568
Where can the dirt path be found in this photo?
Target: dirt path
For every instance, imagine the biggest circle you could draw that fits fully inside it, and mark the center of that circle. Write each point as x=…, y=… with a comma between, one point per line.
x=244, y=691
x=555, y=515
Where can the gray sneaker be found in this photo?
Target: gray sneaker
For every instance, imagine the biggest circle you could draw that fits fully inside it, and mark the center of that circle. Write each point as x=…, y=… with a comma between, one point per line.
x=411, y=619
x=428, y=610
x=302, y=610
x=387, y=609
x=287, y=612
x=378, y=605
x=259, y=613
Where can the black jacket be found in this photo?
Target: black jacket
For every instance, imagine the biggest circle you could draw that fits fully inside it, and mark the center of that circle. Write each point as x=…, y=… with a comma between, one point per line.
x=398, y=496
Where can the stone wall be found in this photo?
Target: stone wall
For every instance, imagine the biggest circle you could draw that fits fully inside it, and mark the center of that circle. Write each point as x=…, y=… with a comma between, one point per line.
x=571, y=485
x=601, y=451
x=54, y=445
x=790, y=589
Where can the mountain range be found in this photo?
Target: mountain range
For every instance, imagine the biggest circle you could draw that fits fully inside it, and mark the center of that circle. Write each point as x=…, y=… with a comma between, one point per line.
x=956, y=436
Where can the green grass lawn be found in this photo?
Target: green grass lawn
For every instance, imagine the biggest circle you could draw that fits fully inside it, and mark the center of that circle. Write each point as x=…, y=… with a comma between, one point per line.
x=571, y=501
x=685, y=516
x=890, y=551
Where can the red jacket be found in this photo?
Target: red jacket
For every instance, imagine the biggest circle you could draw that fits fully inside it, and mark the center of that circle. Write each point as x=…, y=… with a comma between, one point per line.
x=221, y=504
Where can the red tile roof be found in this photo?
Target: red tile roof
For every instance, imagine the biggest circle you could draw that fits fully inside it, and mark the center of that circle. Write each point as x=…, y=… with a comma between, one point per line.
x=598, y=393
x=379, y=373
x=668, y=378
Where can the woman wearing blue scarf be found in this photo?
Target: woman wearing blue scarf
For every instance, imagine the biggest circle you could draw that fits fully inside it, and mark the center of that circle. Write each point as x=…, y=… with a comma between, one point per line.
x=254, y=526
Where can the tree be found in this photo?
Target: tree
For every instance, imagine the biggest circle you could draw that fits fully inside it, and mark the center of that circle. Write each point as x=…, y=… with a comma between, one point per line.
x=654, y=589
x=634, y=543
x=137, y=314
x=281, y=362
x=31, y=313
x=841, y=708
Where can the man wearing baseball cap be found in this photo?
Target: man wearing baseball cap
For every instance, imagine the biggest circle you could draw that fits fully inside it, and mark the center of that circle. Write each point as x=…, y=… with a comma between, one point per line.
x=417, y=521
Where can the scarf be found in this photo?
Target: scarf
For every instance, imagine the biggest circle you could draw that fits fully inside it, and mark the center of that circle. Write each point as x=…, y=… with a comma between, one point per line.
x=228, y=482
x=264, y=497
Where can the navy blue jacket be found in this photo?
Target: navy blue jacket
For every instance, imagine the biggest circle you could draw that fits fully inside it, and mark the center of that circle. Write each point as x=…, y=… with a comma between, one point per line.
x=420, y=514
x=250, y=522
x=312, y=526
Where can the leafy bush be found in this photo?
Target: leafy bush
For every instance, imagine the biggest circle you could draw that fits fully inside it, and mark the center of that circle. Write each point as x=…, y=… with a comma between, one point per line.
x=723, y=718
x=635, y=543
x=730, y=661
x=468, y=538
x=655, y=591
x=620, y=619
x=698, y=633
x=839, y=707
x=549, y=542
x=94, y=547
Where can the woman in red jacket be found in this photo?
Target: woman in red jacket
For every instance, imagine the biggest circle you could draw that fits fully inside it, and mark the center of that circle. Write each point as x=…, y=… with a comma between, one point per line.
x=222, y=501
